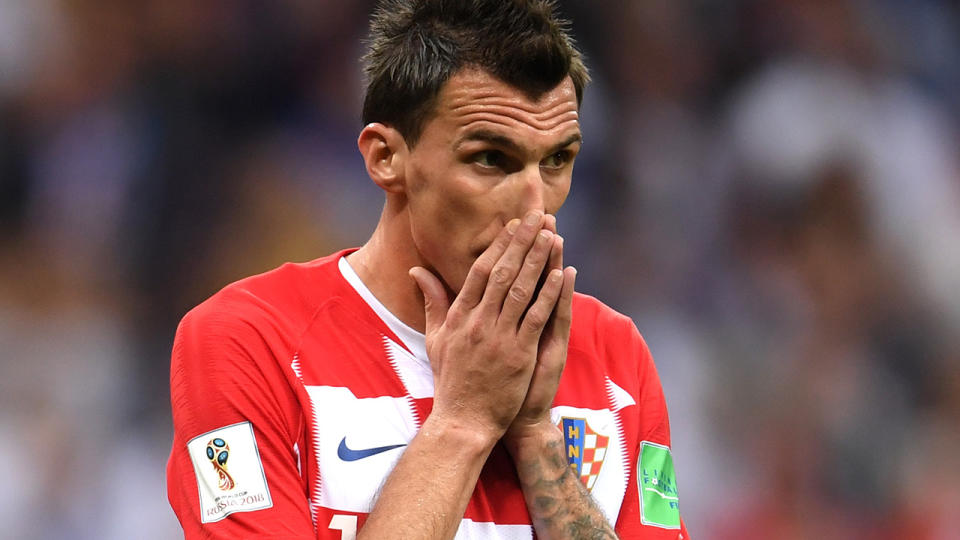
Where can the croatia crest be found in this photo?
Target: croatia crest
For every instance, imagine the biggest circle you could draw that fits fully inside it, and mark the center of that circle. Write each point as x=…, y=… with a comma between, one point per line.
x=585, y=449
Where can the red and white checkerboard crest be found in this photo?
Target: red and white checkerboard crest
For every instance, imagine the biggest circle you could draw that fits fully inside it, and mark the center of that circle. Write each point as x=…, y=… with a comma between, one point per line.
x=585, y=448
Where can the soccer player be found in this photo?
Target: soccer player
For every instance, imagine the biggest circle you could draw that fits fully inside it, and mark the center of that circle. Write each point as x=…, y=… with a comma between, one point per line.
x=443, y=380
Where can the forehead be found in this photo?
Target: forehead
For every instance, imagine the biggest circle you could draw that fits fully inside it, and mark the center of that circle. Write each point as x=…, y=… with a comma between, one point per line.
x=473, y=99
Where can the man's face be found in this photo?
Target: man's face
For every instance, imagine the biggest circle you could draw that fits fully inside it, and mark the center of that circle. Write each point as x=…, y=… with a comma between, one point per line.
x=487, y=155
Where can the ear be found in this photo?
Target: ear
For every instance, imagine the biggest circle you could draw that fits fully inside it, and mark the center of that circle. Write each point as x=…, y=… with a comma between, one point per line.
x=384, y=152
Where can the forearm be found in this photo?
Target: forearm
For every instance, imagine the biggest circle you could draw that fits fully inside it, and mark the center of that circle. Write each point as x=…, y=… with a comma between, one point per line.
x=426, y=494
x=559, y=505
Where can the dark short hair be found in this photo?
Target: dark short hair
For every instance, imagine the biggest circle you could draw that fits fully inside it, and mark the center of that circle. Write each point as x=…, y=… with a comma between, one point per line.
x=415, y=46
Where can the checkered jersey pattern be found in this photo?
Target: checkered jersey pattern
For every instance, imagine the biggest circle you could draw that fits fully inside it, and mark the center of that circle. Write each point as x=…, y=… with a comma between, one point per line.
x=594, y=450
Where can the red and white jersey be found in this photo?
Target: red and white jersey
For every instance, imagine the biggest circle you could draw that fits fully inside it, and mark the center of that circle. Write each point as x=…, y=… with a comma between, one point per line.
x=294, y=393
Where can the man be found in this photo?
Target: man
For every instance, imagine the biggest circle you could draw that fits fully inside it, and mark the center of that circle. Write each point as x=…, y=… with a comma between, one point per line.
x=443, y=380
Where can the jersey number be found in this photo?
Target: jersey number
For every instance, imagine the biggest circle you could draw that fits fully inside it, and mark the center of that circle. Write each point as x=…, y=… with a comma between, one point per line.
x=347, y=525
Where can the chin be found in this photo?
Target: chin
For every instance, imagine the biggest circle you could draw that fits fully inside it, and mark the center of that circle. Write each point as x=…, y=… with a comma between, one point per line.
x=452, y=274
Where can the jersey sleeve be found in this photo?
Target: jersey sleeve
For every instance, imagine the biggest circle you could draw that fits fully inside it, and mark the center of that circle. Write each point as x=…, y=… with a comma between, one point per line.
x=651, y=505
x=234, y=469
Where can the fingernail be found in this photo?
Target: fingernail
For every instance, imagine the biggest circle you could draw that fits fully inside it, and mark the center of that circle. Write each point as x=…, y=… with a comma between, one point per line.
x=532, y=218
x=512, y=225
x=556, y=275
x=545, y=234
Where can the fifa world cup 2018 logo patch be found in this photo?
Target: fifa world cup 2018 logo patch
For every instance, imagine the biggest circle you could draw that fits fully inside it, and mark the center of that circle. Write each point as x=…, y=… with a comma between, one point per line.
x=585, y=449
x=218, y=451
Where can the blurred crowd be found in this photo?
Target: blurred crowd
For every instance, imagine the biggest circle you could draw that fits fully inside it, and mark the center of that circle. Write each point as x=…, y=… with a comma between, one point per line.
x=771, y=189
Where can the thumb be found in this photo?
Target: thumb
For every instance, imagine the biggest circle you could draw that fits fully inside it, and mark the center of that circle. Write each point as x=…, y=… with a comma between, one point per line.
x=435, y=301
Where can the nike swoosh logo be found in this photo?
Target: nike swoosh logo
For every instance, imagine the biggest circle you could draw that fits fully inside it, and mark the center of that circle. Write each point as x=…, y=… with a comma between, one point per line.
x=348, y=454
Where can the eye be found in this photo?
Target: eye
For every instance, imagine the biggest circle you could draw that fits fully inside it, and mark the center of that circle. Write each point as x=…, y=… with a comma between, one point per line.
x=556, y=160
x=490, y=158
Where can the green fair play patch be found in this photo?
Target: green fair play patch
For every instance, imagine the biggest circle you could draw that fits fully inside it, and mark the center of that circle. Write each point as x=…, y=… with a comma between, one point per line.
x=659, y=500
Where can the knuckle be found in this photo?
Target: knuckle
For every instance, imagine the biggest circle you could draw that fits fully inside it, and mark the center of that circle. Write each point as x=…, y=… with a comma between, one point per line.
x=535, y=319
x=476, y=333
x=501, y=275
x=482, y=266
x=519, y=293
x=454, y=317
x=517, y=364
x=535, y=261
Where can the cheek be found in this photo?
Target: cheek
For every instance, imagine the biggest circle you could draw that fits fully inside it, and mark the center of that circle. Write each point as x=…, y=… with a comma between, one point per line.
x=442, y=207
x=442, y=214
x=556, y=195
x=442, y=236
x=442, y=193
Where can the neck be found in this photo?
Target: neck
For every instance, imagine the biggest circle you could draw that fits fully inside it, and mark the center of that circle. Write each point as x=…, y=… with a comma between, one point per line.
x=383, y=264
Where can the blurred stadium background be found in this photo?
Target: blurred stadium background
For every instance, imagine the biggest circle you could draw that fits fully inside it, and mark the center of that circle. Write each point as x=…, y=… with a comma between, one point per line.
x=769, y=188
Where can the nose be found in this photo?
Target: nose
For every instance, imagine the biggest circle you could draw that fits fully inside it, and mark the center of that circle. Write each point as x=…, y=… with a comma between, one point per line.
x=532, y=190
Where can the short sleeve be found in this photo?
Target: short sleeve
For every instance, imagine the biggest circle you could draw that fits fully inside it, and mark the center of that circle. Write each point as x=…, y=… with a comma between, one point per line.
x=651, y=505
x=234, y=468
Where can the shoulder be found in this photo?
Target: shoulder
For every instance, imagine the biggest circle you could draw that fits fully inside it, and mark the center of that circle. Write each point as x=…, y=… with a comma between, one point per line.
x=264, y=313
x=596, y=325
x=291, y=291
x=601, y=335
x=238, y=342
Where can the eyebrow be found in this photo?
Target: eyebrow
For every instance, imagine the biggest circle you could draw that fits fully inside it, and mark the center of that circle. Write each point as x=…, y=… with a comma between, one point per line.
x=505, y=142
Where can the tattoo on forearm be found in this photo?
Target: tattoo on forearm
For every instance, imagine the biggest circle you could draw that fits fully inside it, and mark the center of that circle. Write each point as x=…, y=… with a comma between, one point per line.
x=558, y=502
x=555, y=455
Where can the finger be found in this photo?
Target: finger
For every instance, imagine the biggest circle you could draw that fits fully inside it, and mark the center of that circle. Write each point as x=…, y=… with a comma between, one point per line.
x=505, y=270
x=524, y=286
x=556, y=260
x=556, y=335
x=540, y=312
x=556, y=254
x=479, y=274
x=550, y=223
x=435, y=302
x=563, y=315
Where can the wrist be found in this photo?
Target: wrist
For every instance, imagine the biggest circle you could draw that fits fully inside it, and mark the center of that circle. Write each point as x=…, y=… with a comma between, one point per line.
x=535, y=437
x=460, y=436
